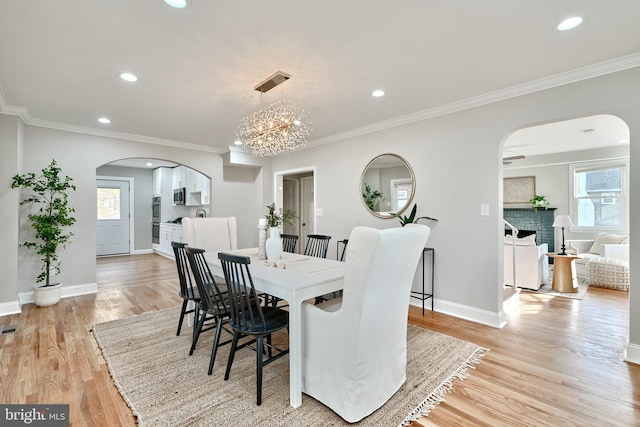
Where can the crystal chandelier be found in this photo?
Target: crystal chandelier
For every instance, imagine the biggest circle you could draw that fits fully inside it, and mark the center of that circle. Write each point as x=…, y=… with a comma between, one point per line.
x=274, y=129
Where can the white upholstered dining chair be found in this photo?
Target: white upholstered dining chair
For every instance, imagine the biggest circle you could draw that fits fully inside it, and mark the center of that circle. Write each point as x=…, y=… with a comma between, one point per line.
x=211, y=234
x=354, y=349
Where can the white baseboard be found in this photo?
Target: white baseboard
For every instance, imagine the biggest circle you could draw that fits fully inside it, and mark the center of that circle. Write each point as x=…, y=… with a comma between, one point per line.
x=142, y=251
x=67, y=291
x=496, y=320
x=11, y=307
x=632, y=353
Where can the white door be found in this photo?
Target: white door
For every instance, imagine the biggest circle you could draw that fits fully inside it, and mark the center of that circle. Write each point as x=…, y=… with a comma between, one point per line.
x=291, y=201
x=112, y=223
x=307, y=211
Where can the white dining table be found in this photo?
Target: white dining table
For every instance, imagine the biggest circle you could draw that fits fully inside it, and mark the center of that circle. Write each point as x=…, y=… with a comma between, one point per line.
x=295, y=278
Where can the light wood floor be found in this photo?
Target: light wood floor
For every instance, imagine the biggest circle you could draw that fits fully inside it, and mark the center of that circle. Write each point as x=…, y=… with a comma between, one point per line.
x=558, y=362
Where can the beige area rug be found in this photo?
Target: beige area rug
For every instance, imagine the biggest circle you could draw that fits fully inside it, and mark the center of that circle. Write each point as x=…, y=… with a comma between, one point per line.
x=583, y=287
x=164, y=386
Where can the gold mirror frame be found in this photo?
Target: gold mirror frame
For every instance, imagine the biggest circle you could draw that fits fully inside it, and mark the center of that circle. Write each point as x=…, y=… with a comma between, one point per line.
x=379, y=160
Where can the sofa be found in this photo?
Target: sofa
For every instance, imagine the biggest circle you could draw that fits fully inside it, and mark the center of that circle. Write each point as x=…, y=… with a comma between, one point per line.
x=603, y=245
x=532, y=264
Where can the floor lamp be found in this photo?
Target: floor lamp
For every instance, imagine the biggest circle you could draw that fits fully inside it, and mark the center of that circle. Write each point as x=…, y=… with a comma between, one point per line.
x=563, y=221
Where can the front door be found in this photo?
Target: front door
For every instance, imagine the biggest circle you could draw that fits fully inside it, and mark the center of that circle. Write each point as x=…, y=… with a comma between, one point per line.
x=112, y=223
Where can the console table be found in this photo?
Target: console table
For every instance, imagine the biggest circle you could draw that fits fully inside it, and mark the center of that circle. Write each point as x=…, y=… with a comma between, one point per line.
x=422, y=295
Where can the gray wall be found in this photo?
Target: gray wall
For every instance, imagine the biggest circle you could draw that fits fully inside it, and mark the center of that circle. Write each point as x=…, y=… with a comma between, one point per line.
x=79, y=156
x=142, y=191
x=11, y=130
x=456, y=159
x=553, y=179
x=457, y=162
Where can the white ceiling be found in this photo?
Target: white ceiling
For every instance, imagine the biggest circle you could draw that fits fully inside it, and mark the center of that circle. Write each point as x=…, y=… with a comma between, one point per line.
x=197, y=66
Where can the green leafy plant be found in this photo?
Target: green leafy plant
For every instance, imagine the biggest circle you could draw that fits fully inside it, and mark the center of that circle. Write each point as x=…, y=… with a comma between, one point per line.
x=277, y=217
x=370, y=197
x=48, y=193
x=539, y=202
x=411, y=218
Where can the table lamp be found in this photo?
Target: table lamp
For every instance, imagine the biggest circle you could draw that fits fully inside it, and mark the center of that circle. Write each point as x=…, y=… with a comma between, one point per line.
x=563, y=221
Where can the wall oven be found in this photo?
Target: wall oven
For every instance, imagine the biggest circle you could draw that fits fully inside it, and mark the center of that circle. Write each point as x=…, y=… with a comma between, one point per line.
x=155, y=220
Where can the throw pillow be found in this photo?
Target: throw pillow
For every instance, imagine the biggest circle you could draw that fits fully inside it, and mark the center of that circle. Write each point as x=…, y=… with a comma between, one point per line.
x=605, y=239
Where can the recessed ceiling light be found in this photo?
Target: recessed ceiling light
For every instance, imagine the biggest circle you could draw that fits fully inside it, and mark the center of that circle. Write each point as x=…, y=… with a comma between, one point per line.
x=377, y=93
x=149, y=164
x=128, y=77
x=237, y=142
x=104, y=120
x=176, y=3
x=570, y=23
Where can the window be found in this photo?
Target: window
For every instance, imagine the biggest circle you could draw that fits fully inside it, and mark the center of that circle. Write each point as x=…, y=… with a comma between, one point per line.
x=600, y=196
x=108, y=203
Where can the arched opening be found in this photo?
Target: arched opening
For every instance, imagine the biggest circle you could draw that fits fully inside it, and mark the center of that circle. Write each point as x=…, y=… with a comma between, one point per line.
x=580, y=167
x=138, y=197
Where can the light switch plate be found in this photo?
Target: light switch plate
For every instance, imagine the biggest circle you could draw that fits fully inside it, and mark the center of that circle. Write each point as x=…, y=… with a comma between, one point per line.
x=484, y=209
x=319, y=212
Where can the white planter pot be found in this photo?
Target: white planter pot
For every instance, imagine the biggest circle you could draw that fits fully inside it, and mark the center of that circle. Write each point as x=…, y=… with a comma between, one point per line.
x=45, y=296
x=274, y=244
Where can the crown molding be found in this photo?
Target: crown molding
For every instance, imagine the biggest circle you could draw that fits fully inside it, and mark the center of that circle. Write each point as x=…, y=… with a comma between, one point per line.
x=122, y=135
x=579, y=74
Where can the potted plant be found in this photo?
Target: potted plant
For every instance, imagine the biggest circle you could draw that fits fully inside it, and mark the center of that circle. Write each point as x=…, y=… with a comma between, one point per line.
x=411, y=218
x=539, y=202
x=275, y=218
x=48, y=194
x=370, y=197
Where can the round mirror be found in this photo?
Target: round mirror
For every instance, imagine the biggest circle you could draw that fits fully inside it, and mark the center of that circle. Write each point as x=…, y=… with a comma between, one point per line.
x=387, y=185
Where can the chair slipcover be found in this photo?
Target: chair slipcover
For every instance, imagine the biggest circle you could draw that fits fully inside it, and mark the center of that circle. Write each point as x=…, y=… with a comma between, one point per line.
x=211, y=234
x=355, y=347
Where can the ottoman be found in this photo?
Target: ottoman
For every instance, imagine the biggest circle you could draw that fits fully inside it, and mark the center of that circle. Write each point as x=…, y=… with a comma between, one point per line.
x=611, y=273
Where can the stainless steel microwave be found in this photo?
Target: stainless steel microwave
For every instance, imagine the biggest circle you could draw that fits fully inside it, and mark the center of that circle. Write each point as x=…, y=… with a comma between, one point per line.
x=179, y=196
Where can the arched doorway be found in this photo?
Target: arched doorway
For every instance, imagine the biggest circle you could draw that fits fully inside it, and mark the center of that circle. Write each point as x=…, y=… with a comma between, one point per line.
x=543, y=159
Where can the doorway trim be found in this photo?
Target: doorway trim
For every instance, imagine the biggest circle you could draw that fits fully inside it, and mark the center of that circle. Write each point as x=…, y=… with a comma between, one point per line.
x=131, y=205
x=277, y=188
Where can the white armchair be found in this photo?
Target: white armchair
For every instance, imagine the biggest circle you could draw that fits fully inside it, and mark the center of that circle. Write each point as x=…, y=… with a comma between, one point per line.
x=355, y=347
x=532, y=264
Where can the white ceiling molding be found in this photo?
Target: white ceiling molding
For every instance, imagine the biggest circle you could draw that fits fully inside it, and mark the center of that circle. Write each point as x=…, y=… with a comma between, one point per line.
x=599, y=69
x=584, y=73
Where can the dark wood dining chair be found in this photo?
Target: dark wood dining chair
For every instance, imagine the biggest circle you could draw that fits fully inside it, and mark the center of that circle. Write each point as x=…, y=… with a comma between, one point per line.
x=249, y=318
x=188, y=291
x=213, y=301
x=289, y=242
x=317, y=245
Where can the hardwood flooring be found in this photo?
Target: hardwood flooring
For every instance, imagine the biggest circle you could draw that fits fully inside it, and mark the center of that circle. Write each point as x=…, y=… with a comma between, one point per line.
x=558, y=362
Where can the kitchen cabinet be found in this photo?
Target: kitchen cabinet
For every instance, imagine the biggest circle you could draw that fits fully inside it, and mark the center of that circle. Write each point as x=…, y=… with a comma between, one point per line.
x=159, y=175
x=197, y=186
x=169, y=233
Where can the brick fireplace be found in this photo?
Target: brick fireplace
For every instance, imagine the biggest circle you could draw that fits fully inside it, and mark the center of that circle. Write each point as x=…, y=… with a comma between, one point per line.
x=528, y=219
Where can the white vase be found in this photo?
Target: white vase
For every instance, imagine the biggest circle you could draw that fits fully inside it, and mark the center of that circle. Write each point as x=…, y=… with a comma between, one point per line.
x=45, y=296
x=274, y=244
